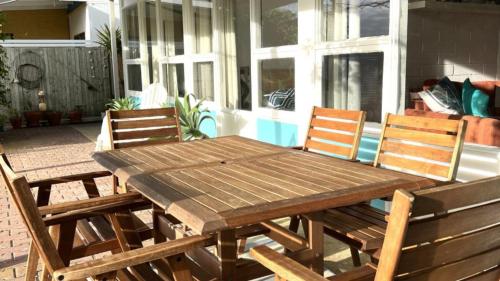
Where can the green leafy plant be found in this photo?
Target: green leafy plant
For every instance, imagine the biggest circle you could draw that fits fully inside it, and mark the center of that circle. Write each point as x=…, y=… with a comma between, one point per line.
x=104, y=38
x=191, y=117
x=128, y=103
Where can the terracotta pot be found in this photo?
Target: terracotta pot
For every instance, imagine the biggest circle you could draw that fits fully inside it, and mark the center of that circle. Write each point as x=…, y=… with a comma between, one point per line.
x=16, y=122
x=33, y=118
x=75, y=116
x=54, y=118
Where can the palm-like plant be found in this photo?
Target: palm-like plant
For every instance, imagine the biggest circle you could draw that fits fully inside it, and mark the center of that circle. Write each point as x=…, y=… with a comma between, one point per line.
x=104, y=38
x=191, y=117
x=128, y=103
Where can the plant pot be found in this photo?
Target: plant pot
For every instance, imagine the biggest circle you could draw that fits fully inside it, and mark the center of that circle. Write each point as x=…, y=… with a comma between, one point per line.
x=33, y=118
x=16, y=122
x=54, y=118
x=75, y=117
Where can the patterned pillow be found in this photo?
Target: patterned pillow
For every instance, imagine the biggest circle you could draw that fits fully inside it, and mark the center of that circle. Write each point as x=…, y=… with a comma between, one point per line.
x=282, y=99
x=444, y=98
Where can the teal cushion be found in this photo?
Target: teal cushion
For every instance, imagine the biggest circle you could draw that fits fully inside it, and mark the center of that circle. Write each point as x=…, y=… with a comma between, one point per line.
x=467, y=92
x=479, y=103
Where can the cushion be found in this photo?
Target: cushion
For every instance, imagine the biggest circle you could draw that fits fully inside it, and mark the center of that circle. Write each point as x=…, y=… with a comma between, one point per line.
x=282, y=99
x=467, y=91
x=479, y=103
x=443, y=97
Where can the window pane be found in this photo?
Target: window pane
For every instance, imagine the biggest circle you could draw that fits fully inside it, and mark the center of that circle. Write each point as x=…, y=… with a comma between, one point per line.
x=174, y=79
x=203, y=25
x=173, y=28
x=278, y=83
x=348, y=19
x=241, y=20
x=131, y=22
x=354, y=82
x=204, y=80
x=279, y=22
x=134, y=77
x=152, y=39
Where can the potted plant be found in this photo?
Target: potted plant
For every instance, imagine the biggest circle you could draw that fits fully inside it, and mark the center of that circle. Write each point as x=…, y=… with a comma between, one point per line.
x=15, y=119
x=32, y=117
x=191, y=117
x=75, y=116
x=54, y=117
x=128, y=103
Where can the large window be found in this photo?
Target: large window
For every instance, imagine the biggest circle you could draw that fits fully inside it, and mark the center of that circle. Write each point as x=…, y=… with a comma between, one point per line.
x=152, y=40
x=204, y=80
x=349, y=19
x=203, y=25
x=174, y=80
x=354, y=82
x=131, y=26
x=173, y=27
x=241, y=22
x=279, y=22
x=278, y=83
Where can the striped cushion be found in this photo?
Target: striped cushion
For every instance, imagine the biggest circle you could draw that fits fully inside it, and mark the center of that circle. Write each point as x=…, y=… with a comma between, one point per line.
x=282, y=99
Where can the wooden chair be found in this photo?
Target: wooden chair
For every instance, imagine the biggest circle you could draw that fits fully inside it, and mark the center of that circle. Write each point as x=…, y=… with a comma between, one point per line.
x=447, y=233
x=53, y=239
x=423, y=146
x=92, y=233
x=335, y=132
x=130, y=128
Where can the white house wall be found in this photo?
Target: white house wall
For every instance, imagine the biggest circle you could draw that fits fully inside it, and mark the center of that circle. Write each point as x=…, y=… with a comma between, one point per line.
x=77, y=21
x=98, y=16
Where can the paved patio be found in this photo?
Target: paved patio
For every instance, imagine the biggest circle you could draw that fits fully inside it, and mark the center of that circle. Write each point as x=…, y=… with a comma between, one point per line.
x=48, y=152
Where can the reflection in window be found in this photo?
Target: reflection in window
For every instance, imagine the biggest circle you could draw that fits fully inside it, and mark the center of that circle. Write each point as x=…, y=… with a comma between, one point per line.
x=279, y=22
x=354, y=82
x=278, y=83
x=174, y=80
x=134, y=77
x=204, y=80
x=152, y=38
x=173, y=29
x=348, y=19
x=131, y=21
x=241, y=19
x=203, y=25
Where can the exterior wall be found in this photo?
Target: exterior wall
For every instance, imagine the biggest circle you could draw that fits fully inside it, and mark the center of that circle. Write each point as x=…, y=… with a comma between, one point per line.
x=97, y=17
x=37, y=24
x=78, y=21
x=458, y=45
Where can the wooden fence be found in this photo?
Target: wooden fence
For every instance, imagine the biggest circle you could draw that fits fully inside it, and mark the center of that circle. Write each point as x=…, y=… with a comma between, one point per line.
x=70, y=76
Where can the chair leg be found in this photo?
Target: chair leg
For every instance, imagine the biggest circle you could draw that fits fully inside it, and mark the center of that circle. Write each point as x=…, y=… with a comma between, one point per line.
x=242, y=245
x=32, y=263
x=356, y=260
x=294, y=224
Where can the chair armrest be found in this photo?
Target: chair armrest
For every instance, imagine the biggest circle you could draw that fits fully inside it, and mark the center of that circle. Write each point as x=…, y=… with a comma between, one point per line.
x=85, y=213
x=70, y=178
x=283, y=266
x=88, y=203
x=130, y=258
x=363, y=273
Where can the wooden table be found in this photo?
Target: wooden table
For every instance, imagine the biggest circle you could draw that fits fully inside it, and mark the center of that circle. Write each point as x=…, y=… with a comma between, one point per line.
x=215, y=192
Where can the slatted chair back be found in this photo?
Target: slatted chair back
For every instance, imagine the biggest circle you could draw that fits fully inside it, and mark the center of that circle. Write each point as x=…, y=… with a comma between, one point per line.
x=335, y=131
x=130, y=128
x=21, y=194
x=425, y=146
x=453, y=233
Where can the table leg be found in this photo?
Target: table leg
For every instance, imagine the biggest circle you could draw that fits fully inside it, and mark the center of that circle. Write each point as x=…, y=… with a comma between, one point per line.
x=227, y=253
x=316, y=241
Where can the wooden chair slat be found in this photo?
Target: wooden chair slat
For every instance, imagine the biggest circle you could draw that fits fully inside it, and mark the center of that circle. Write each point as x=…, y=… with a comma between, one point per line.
x=420, y=167
x=417, y=151
x=488, y=275
x=139, y=113
x=144, y=123
x=449, y=250
x=143, y=143
x=333, y=125
x=327, y=147
x=421, y=137
x=426, y=123
x=150, y=133
x=336, y=113
x=452, y=224
x=330, y=136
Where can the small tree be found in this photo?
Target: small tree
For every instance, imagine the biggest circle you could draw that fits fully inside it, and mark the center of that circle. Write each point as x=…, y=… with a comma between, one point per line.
x=104, y=38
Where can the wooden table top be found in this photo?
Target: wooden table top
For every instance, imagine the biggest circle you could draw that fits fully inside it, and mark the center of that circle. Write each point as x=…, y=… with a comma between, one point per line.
x=254, y=186
x=138, y=160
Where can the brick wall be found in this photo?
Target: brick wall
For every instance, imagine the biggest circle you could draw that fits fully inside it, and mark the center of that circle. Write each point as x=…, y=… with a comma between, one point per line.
x=457, y=45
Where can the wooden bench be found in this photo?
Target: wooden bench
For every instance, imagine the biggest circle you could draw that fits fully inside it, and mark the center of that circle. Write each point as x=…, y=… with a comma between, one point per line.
x=418, y=145
x=444, y=233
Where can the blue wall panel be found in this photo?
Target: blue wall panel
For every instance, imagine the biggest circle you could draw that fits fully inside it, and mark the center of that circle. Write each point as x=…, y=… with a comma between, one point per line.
x=278, y=133
x=209, y=127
